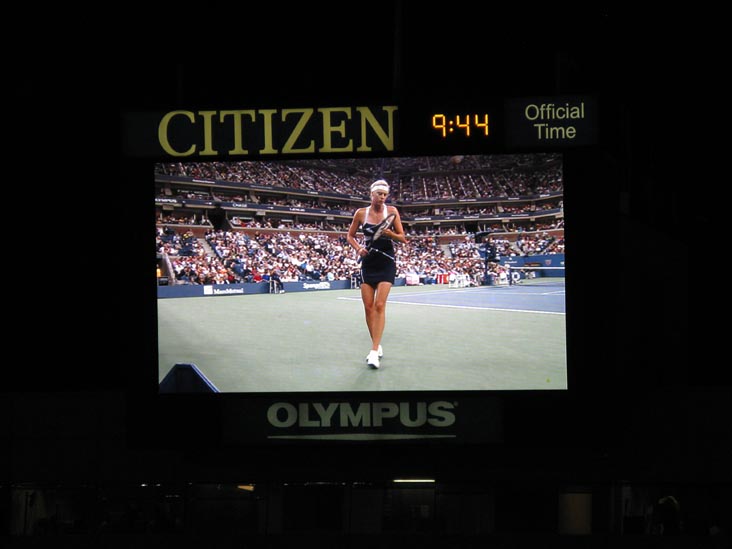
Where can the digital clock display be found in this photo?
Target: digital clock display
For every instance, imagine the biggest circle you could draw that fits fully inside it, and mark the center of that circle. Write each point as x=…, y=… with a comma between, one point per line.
x=465, y=124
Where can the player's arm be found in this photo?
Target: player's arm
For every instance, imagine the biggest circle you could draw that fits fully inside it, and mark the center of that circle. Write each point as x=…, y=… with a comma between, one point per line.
x=356, y=223
x=397, y=230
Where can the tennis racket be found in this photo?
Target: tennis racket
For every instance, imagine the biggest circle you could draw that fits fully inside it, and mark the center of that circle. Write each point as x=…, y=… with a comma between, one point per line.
x=385, y=224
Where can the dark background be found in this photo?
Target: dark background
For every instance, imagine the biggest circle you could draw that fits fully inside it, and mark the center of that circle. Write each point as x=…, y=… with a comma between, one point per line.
x=76, y=404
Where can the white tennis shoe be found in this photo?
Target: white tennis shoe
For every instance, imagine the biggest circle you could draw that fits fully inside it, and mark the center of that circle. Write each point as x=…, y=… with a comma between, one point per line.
x=380, y=351
x=373, y=359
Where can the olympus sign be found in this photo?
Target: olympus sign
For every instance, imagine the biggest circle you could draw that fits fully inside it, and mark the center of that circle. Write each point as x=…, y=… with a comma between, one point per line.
x=364, y=414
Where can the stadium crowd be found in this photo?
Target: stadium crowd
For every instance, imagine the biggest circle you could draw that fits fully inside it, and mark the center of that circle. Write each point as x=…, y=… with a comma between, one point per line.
x=417, y=178
x=307, y=247
x=225, y=257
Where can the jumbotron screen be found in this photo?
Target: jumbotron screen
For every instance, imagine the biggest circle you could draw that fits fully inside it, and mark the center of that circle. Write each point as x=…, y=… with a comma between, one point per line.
x=261, y=288
x=278, y=296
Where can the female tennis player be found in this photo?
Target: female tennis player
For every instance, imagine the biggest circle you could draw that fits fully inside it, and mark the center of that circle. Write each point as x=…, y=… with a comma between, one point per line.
x=378, y=260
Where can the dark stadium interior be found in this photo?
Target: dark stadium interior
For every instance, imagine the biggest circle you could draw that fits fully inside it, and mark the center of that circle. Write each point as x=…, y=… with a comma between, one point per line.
x=635, y=454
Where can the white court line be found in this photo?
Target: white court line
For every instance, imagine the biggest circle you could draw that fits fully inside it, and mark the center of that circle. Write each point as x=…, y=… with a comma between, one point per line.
x=434, y=292
x=530, y=293
x=462, y=307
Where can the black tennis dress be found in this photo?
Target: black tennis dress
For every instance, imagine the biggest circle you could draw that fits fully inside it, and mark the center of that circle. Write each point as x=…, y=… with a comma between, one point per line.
x=377, y=267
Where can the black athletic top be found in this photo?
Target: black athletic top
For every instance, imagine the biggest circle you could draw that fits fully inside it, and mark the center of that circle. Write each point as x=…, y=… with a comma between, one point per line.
x=377, y=267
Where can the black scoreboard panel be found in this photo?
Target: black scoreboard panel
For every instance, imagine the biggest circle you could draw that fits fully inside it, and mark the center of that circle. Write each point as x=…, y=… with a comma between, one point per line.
x=566, y=126
x=491, y=125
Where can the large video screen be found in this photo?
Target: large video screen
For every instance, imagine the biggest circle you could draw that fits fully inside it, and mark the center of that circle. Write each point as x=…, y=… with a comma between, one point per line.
x=259, y=289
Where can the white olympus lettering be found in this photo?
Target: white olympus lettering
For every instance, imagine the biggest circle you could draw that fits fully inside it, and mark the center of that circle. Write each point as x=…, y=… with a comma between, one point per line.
x=364, y=414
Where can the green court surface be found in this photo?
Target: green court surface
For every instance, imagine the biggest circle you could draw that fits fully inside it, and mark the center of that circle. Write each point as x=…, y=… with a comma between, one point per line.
x=436, y=339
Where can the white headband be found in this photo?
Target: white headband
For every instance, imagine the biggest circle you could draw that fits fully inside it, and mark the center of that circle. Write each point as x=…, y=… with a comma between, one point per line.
x=380, y=185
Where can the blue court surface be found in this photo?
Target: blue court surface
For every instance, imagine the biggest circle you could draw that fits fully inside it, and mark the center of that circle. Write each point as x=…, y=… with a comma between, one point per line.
x=534, y=299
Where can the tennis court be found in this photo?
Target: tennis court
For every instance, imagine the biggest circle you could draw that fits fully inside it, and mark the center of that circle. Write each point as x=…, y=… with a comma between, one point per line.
x=436, y=338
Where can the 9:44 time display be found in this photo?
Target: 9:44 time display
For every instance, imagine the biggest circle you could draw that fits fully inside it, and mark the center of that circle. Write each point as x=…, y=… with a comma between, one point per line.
x=447, y=125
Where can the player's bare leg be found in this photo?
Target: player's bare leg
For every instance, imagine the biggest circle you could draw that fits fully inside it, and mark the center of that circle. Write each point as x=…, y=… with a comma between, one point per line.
x=367, y=296
x=374, y=301
x=378, y=320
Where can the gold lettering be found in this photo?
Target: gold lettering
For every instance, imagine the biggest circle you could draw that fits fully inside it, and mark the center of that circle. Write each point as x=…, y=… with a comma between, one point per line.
x=268, y=146
x=386, y=138
x=163, y=133
x=208, y=149
x=278, y=132
x=329, y=128
x=238, y=133
x=306, y=114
